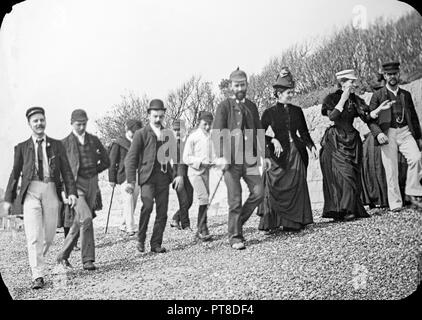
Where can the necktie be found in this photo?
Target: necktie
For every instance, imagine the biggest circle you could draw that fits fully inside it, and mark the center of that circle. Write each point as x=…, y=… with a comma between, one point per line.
x=40, y=160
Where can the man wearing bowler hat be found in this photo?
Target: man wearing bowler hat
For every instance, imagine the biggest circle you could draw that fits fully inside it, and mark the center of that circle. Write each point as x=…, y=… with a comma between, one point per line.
x=42, y=163
x=117, y=175
x=154, y=174
x=237, y=123
x=87, y=157
x=399, y=130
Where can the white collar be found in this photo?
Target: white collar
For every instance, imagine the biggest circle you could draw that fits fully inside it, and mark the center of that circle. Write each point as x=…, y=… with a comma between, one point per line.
x=35, y=139
x=79, y=135
x=157, y=131
x=393, y=91
x=239, y=101
x=127, y=137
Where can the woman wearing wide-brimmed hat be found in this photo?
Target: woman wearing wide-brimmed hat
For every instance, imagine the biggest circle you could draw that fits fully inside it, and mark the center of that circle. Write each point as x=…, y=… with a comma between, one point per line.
x=341, y=150
x=286, y=202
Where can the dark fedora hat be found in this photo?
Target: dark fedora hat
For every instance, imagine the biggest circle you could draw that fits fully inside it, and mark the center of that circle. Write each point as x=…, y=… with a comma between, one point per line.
x=34, y=110
x=284, y=79
x=156, y=104
x=133, y=125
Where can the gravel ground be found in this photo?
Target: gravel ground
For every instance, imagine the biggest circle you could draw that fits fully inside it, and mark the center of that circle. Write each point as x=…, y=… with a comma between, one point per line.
x=374, y=258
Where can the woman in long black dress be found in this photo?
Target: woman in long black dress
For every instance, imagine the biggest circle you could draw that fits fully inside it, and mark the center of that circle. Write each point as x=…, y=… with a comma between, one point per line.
x=286, y=202
x=341, y=151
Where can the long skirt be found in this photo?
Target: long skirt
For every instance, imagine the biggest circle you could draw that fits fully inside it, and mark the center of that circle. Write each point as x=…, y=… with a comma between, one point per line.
x=341, y=160
x=374, y=183
x=286, y=202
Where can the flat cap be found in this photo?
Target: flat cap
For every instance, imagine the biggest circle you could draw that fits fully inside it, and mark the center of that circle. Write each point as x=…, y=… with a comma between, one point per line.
x=391, y=67
x=206, y=116
x=78, y=115
x=347, y=74
x=284, y=79
x=156, y=104
x=133, y=125
x=34, y=110
x=238, y=75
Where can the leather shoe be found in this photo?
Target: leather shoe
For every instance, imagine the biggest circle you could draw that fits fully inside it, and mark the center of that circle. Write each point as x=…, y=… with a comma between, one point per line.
x=203, y=236
x=175, y=224
x=416, y=201
x=38, y=283
x=397, y=209
x=141, y=247
x=65, y=263
x=349, y=217
x=76, y=248
x=89, y=265
x=159, y=250
x=238, y=246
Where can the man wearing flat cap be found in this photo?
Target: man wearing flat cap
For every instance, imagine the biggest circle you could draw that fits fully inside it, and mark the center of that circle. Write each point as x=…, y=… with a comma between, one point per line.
x=116, y=174
x=181, y=183
x=199, y=156
x=42, y=164
x=87, y=157
x=237, y=147
x=399, y=130
x=154, y=174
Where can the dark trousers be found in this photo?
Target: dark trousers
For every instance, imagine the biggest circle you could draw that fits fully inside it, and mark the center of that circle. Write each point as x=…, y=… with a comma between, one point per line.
x=156, y=188
x=82, y=221
x=185, y=197
x=202, y=219
x=239, y=214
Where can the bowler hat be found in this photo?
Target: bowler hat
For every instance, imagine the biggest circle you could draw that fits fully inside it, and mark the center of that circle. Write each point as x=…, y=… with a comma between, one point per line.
x=78, y=115
x=284, y=79
x=156, y=104
x=34, y=110
x=391, y=67
x=238, y=75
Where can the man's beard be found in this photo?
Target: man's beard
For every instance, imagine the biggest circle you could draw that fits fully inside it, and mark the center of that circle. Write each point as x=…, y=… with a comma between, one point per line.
x=392, y=82
x=240, y=95
x=157, y=124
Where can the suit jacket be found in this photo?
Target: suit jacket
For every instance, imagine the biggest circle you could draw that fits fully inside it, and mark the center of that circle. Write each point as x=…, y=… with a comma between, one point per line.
x=118, y=152
x=141, y=156
x=70, y=144
x=384, y=117
x=225, y=119
x=282, y=123
x=24, y=167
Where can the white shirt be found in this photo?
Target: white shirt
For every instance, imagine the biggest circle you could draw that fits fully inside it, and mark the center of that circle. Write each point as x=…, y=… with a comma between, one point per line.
x=81, y=138
x=157, y=131
x=198, y=149
x=395, y=92
x=129, y=138
x=46, y=168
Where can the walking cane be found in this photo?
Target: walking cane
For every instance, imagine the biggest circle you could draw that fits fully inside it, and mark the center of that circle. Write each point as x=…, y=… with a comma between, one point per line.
x=215, y=190
x=109, y=209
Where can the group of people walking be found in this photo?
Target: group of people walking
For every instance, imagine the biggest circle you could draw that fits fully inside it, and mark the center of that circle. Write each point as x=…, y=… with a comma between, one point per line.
x=67, y=171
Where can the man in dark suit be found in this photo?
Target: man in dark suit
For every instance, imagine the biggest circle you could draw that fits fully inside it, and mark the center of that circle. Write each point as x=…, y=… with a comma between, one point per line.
x=117, y=175
x=87, y=157
x=399, y=130
x=181, y=183
x=237, y=123
x=42, y=163
x=154, y=174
